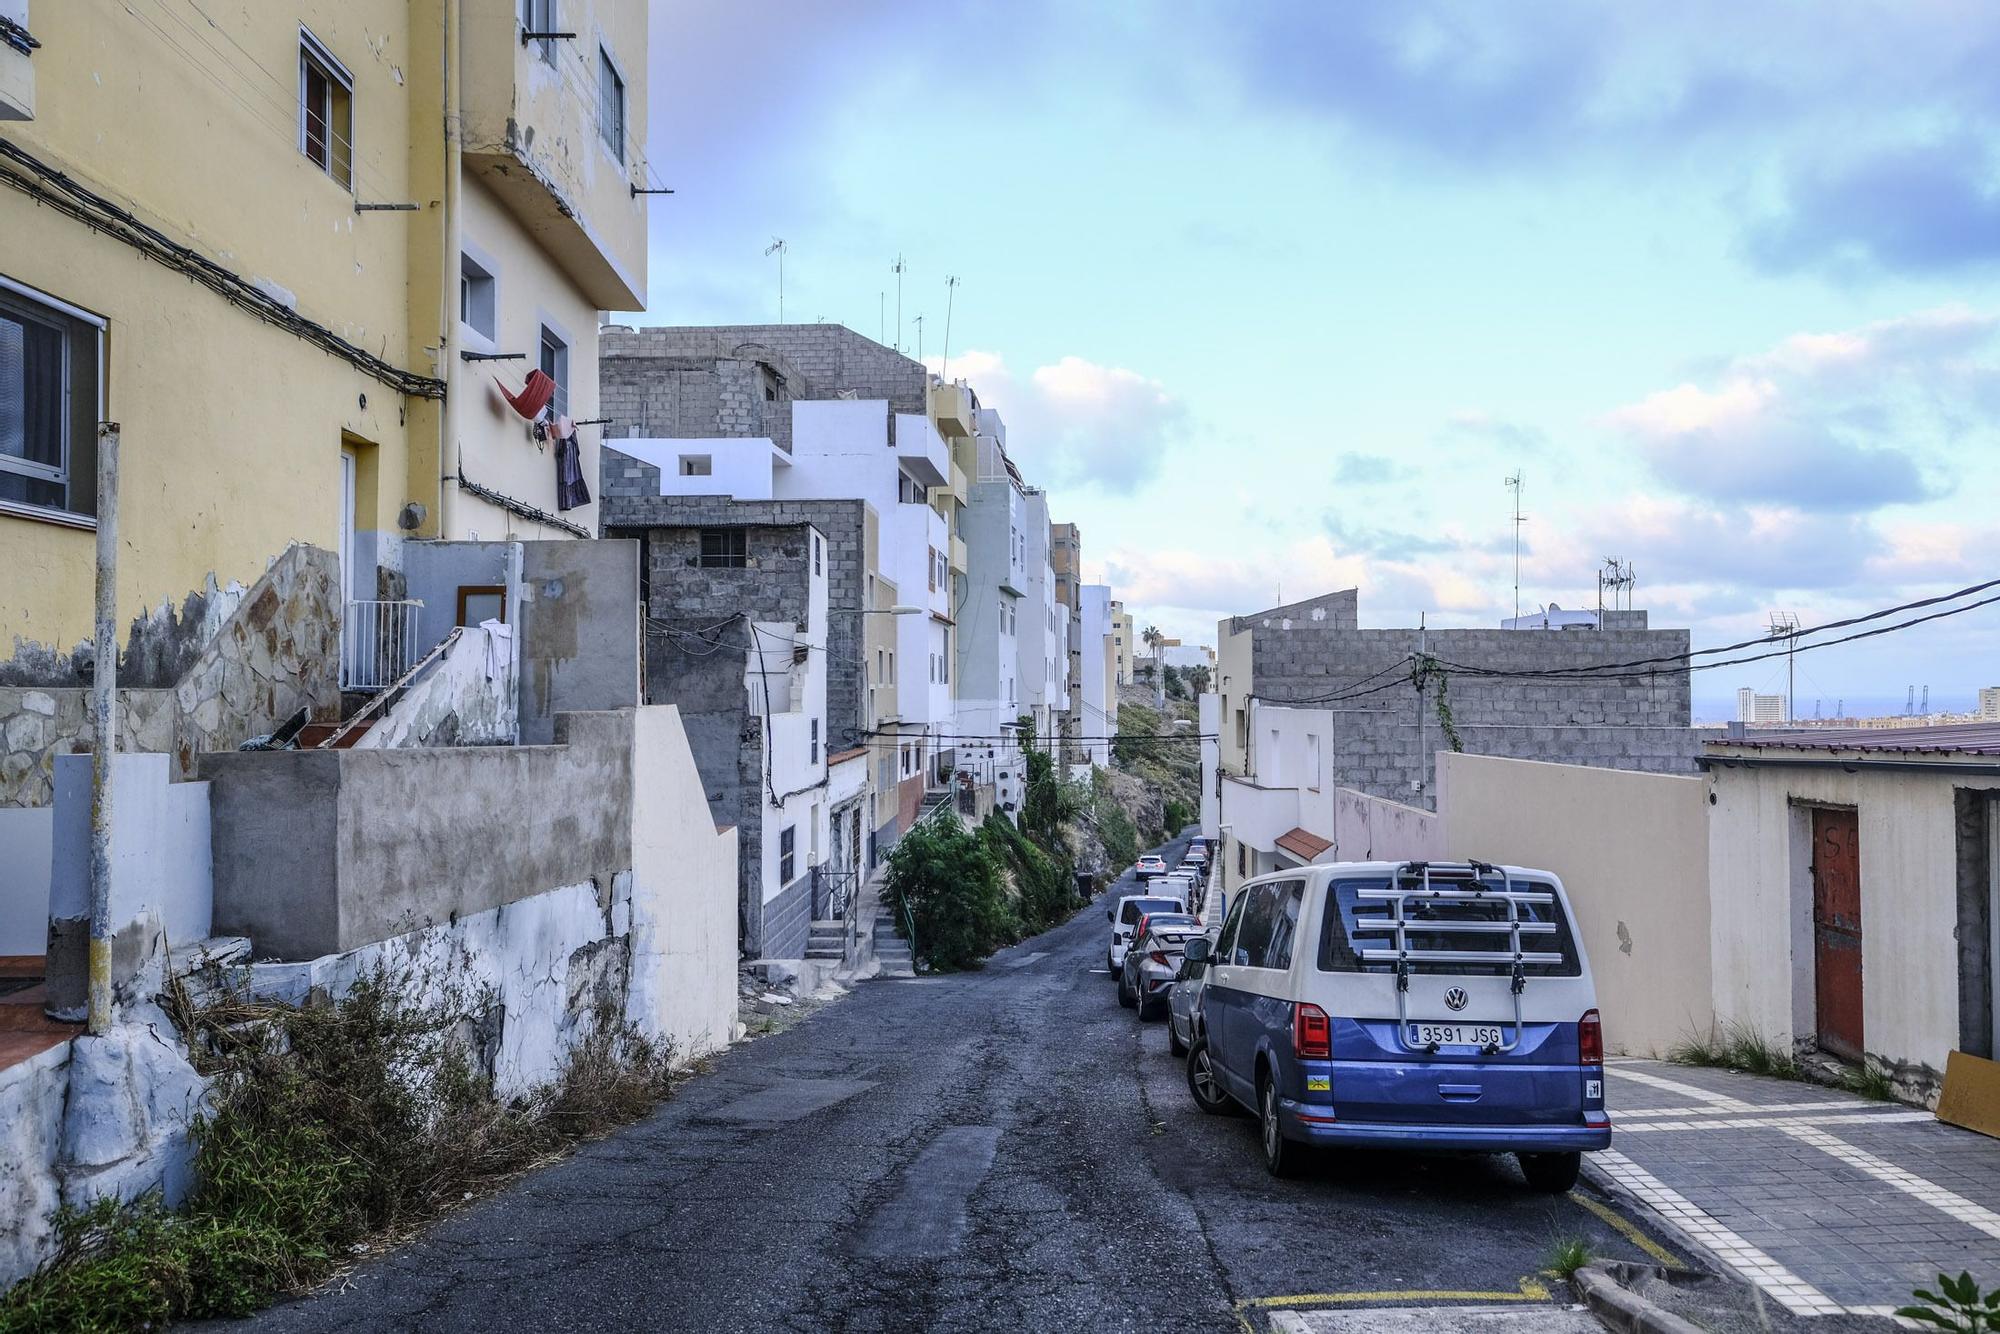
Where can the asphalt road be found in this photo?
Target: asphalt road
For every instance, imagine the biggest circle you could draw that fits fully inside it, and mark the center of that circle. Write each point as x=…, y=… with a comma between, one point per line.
x=1005, y=1149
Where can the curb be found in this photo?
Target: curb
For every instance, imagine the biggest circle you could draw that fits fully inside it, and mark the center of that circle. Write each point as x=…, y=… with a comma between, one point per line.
x=1601, y=1284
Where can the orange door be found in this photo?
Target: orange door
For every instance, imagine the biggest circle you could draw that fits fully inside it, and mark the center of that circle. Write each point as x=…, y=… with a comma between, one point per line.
x=1836, y=880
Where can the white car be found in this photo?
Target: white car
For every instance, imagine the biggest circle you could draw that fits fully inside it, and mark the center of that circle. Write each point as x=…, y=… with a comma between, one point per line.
x=1124, y=918
x=1150, y=865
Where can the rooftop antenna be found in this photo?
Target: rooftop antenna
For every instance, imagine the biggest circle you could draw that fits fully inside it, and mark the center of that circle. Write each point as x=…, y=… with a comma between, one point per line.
x=950, y=291
x=778, y=248
x=1785, y=625
x=881, y=317
x=1616, y=575
x=918, y=320
x=1514, y=485
x=897, y=269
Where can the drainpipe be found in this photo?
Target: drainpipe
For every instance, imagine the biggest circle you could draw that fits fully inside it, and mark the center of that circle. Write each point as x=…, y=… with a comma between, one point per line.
x=453, y=123
x=104, y=716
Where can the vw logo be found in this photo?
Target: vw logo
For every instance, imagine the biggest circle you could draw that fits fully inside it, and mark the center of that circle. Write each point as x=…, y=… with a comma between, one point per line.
x=1456, y=999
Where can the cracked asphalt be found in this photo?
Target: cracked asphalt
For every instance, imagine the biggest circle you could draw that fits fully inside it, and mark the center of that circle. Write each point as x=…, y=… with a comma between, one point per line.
x=1000, y=1149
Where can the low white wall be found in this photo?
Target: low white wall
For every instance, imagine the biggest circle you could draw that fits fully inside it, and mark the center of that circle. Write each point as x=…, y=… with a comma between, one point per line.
x=31, y=1116
x=160, y=862
x=1369, y=828
x=467, y=698
x=26, y=839
x=1632, y=849
x=683, y=894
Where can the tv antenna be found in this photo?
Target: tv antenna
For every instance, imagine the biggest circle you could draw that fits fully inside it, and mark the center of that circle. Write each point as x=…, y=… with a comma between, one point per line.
x=897, y=269
x=918, y=320
x=1616, y=575
x=778, y=248
x=1514, y=485
x=1785, y=626
x=950, y=291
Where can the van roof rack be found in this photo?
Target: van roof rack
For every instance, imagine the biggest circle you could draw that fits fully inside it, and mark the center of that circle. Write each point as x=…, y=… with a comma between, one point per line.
x=1455, y=882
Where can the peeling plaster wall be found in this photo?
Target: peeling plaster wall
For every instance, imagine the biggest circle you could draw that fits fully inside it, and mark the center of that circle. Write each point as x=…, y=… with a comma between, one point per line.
x=31, y=1108
x=276, y=651
x=466, y=699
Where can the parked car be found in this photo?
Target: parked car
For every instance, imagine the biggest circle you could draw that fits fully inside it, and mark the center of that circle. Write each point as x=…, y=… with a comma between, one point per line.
x=1184, y=1014
x=1184, y=883
x=1444, y=1006
x=1154, y=960
x=1196, y=855
x=1149, y=865
x=1124, y=918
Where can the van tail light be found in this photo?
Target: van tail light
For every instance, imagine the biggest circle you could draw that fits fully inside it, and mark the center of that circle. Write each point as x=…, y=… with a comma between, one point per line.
x=1590, y=1039
x=1312, y=1033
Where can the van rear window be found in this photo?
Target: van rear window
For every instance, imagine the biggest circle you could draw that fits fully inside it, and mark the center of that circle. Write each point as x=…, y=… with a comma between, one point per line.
x=1340, y=945
x=1137, y=908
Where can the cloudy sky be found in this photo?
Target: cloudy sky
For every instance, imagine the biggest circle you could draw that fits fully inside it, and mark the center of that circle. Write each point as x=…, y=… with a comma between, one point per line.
x=1275, y=295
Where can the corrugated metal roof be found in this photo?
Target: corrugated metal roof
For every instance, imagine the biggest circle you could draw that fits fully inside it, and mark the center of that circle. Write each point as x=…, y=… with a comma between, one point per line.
x=1955, y=739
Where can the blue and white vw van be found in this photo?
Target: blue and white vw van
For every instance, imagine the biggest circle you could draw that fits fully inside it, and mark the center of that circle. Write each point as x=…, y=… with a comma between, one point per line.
x=1411, y=1005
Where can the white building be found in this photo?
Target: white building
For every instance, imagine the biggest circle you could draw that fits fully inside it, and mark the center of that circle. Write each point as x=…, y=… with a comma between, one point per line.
x=854, y=449
x=1752, y=707
x=1043, y=642
x=1098, y=720
x=994, y=526
x=1989, y=704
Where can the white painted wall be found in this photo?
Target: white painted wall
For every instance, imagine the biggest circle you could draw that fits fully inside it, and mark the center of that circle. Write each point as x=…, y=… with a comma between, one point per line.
x=1759, y=868
x=472, y=685
x=1633, y=851
x=1208, y=713
x=27, y=836
x=796, y=792
x=743, y=469
x=1100, y=700
x=160, y=865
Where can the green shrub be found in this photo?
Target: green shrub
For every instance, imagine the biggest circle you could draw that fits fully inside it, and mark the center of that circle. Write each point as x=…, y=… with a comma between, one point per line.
x=1568, y=1256
x=946, y=880
x=1956, y=1305
x=1735, y=1047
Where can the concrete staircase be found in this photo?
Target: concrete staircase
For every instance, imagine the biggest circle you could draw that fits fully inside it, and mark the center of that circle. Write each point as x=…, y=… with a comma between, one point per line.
x=891, y=950
x=828, y=940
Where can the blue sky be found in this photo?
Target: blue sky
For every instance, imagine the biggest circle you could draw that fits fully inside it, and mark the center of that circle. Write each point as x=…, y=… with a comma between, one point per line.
x=1274, y=295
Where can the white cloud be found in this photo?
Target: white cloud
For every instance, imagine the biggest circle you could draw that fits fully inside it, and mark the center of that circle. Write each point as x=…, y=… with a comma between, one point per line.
x=1075, y=422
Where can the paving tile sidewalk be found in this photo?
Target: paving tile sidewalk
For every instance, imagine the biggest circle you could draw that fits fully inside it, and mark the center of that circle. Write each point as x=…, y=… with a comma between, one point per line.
x=1830, y=1203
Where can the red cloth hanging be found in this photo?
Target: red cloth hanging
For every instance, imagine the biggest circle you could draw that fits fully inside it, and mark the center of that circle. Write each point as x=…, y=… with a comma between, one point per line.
x=534, y=395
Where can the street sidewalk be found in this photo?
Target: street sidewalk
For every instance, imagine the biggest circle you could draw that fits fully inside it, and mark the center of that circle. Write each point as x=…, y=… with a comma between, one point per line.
x=1829, y=1203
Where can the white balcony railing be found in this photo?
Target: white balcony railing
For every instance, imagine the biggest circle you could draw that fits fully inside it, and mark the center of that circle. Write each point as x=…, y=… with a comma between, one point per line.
x=378, y=643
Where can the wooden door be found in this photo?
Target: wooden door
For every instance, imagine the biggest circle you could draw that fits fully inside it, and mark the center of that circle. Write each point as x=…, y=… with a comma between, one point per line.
x=1836, y=881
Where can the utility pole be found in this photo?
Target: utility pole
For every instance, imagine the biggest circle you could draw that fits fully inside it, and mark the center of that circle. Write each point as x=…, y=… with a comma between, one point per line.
x=777, y=247
x=1423, y=655
x=104, y=717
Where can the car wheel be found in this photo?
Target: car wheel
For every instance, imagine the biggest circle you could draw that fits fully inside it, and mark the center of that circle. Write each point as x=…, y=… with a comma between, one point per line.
x=1174, y=1043
x=1281, y=1156
x=1125, y=996
x=1550, y=1173
x=1205, y=1082
x=1149, y=1010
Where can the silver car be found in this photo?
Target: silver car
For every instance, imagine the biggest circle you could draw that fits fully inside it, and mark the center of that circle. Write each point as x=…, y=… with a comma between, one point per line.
x=1154, y=961
x=1184, y=1013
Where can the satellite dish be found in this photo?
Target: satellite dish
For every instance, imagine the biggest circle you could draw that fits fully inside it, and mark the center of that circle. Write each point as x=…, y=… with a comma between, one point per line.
x=412, y=516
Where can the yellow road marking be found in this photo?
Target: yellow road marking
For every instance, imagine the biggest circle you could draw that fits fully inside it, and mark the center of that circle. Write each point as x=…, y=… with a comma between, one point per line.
x=1627, y=1229
x=1531, y=1290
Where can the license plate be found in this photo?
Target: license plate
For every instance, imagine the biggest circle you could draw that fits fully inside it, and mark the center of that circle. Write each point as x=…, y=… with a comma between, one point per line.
x=1456, y=1035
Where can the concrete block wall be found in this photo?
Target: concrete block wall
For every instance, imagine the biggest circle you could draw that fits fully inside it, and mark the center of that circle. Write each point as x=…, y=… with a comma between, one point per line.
x=1305, y=652
x=814, y=361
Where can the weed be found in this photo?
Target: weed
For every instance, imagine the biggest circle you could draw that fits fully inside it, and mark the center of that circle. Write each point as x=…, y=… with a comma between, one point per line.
x=1736, y=1047
x=331, y=1123
x=1956, y=1305
x=1568, y=1256
x=1869, y=1081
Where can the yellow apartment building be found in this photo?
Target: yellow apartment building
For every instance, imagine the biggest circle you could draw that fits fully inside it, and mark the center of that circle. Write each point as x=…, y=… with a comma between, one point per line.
x=290, y=246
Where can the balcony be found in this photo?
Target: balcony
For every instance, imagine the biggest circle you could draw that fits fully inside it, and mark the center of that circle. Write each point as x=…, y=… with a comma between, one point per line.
x=531, y=135
x=958, y=557
x=1258, y=815
x=921, y=450
x=951, y=408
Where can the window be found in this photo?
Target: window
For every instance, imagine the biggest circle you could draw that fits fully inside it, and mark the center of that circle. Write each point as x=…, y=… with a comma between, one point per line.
x=724, y=549
x=697, y=465
x=1288, y=900
x=812, y=756
x=1242, y=859
x=881, y=673
x=816, y=555
x=787, y=840
x=933, y=569
x=1312, y=760
x=480, y=603
x=610, y=105
x=1225, y=945
x=326, y=111
x=475, y=296
x=1343, y=934
x=541, y=16
x=48, y=404
x=555, y=365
